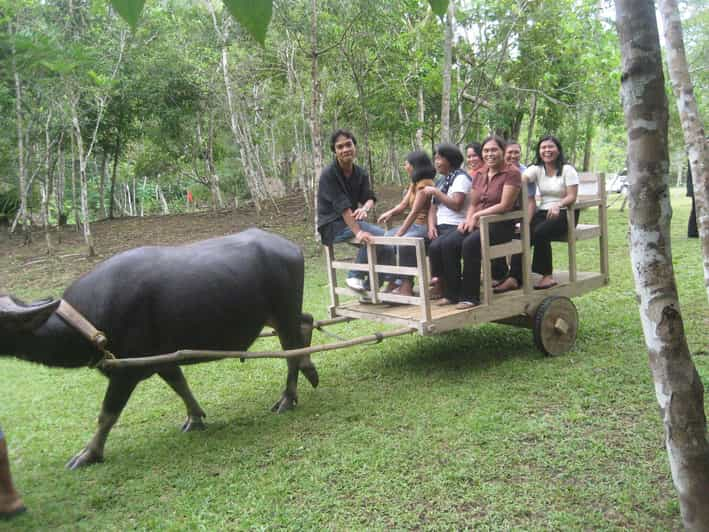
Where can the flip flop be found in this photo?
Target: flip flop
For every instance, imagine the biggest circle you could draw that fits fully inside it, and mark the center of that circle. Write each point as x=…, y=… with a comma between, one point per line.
x=550, y=285
x=499, y=289
x=465, y=305
x=4, y=516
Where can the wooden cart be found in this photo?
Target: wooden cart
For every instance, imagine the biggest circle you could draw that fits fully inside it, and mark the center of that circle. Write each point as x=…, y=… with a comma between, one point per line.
x=550, y=313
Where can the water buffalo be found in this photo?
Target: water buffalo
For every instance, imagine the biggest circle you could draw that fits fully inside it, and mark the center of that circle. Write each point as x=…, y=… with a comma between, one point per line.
x=215, y=294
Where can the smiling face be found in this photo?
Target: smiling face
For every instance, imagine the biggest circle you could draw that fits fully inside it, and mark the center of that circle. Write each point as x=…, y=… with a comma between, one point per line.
x=443, y=167
x=513, y=153
x=472, y=160
x=548, y=152
x=345, y=151
x=493, y=154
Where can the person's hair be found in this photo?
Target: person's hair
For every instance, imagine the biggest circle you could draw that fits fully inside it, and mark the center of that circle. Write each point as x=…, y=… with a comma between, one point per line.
x=560, y=160
x=450, y=153
x=497, y=140
x=477, y=148
x=341, y=133
x=510, y=142
x=422, y=165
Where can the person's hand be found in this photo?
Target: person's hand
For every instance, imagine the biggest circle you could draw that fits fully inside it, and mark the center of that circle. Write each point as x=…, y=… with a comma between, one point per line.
x=430, y=191
x=432, y=233
x=360, y=213
x=553, y=211
x=463, y=227
x=364, y=236
x=384, y=218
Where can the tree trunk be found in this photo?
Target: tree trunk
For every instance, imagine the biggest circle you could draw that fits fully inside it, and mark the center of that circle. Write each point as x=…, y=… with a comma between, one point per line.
x=692, y=126
x=590, y=128
x=45, y=187
x=314, y=121
x=102, y=184
x=446, y=75
x=530, y=130
x=421, y=117
x=678, y=387
x=22, y=171
x=59, y=184
x=116, y=153
x=83, y=181
x=74, y=201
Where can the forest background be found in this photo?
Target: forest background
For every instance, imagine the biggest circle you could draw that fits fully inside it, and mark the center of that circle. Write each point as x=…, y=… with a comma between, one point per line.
x=188, y=107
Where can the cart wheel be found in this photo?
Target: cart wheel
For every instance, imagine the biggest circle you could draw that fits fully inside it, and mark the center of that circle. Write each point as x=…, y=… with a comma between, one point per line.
x=555, y=325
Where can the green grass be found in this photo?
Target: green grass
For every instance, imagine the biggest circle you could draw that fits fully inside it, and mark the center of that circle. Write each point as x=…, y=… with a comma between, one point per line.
x=473, y=429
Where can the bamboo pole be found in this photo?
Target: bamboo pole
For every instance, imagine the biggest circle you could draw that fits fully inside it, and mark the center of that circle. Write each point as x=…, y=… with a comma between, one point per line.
x=191, y=355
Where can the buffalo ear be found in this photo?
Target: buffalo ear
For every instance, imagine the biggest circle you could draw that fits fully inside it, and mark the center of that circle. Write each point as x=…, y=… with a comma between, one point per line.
x=18, y=316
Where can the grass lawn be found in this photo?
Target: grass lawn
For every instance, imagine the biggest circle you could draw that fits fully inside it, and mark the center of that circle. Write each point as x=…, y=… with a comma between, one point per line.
x=473, y=429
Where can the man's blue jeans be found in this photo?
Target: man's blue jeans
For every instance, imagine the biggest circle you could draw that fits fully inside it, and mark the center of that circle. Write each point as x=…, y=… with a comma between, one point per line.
x=385, y=254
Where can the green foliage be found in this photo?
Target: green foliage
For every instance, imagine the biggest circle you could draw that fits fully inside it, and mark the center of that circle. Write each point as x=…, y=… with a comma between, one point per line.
x=130, y=10
x=254, y=16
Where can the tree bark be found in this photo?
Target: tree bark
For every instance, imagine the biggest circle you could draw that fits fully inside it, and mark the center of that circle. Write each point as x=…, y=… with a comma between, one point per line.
x=446, y=89
x=83, y=180
x=314, y=121
x=22, y=171
x=530, y=130
x=678, y=387
x=691, y=121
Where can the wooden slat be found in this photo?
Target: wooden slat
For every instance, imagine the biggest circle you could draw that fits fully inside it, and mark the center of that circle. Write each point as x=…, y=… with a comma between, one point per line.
x=381, y=268
x=503, y=250
x=485, y=249
x=332, y=279
x=373, y=275
x=587, y=232
x=571, y=242
x=422, y=264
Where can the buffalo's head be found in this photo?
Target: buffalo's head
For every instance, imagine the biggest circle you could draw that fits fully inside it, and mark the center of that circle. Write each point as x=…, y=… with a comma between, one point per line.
x=17, y=316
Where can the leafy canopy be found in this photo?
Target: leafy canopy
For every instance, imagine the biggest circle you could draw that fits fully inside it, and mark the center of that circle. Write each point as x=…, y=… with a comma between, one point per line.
x=254, y=16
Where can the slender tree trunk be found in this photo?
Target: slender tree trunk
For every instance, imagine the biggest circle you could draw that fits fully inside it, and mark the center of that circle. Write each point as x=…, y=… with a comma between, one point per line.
x=116, y=154
x=692, y=125
x=102, y=184
x=678, y=387
x=590, y=128
x=446, y=74
x=530, y=129
x=74, y=201
x=59, y=184
x=22, y=171
x=315, y=119
x=45, y=187
x=83, y=181
x=421, y=116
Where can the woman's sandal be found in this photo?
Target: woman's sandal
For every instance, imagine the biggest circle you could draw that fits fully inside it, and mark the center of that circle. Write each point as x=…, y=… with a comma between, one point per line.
x=505, y=286
x=465, y=305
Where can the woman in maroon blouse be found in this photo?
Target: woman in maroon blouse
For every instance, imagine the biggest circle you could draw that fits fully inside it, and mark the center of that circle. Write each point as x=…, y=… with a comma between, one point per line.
x=495, y=189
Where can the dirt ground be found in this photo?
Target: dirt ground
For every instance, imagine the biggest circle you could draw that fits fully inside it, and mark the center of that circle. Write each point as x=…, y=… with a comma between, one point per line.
x=29, y=270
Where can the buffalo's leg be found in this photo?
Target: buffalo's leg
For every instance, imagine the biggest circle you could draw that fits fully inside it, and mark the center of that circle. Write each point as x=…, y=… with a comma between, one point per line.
x=119, y=390
x=195, y=415
x=295, y=337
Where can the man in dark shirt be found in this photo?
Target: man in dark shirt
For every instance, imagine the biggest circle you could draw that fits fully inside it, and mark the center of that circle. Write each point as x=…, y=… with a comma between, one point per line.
x=344, y=201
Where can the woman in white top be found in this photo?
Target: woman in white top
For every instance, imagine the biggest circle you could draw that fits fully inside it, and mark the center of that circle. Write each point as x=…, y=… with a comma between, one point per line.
x=451, y=199
x=558, y=184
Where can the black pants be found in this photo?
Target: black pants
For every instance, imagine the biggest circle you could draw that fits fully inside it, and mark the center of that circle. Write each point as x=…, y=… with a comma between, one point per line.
x=435, y=251
x=452, y=247
x=543, y=231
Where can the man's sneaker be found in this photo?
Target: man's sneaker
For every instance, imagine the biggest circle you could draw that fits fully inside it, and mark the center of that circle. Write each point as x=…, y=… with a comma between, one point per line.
x=355, y=283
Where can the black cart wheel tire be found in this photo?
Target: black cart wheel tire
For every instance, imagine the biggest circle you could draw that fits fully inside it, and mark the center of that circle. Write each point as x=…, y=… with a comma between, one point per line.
x=556, y=323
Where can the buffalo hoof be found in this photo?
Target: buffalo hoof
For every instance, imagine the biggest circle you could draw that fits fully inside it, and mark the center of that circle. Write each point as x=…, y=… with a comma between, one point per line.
x=311, y=374
x=193, y=423
x=284, y=404
x=83, y=458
